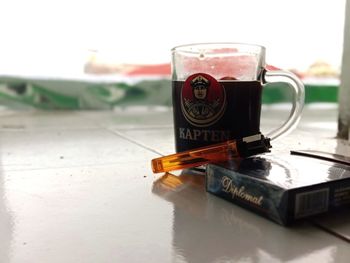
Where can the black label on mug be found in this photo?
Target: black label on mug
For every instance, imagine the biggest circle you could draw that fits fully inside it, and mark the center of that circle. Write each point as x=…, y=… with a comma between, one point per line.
x=208, y=111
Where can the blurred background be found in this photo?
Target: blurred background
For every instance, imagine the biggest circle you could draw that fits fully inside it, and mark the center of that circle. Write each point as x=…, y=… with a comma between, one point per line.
x=52, y=50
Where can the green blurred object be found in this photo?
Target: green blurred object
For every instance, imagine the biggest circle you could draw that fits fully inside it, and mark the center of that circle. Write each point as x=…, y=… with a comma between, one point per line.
x=50, y=94
x=83, y=94
x=324, y=93
x=276, y=93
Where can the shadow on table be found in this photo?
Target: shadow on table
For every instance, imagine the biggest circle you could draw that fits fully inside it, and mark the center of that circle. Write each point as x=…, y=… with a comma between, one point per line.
x=338, y=222
x=207, y=228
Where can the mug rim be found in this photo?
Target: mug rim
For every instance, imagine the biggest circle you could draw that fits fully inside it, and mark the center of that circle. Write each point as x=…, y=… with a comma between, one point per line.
x=183, y=48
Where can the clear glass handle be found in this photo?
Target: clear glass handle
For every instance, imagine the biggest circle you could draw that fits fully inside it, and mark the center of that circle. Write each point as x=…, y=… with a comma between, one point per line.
x=281, y=76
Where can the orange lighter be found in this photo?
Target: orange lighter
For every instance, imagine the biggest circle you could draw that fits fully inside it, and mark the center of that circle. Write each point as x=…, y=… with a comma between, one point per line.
x=232, y=149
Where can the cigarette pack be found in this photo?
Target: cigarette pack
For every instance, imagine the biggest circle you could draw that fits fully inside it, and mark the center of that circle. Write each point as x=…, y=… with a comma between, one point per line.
x=284, y=188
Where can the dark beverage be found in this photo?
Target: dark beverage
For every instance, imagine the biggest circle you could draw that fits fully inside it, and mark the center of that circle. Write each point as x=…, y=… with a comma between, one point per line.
x=229, y=110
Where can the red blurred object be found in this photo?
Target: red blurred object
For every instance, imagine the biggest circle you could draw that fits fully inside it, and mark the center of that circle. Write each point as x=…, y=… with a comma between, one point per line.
x=165, y=69
x=160, y=69
x=270, y=67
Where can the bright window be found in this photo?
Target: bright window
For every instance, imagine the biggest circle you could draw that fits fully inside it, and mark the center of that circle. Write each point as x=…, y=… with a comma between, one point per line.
x=43, y=37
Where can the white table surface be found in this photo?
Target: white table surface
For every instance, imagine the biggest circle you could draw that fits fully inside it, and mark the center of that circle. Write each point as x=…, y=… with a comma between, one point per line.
x=78, y=187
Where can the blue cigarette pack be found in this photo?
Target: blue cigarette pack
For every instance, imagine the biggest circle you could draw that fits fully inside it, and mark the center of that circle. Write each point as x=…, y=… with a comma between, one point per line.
x=283, y=188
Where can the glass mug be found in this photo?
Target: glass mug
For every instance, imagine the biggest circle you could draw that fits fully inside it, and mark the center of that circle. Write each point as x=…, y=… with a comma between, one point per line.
x=217, y=91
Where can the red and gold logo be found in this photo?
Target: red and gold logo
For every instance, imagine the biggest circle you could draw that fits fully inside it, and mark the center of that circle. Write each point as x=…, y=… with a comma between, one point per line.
x=203, y=100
